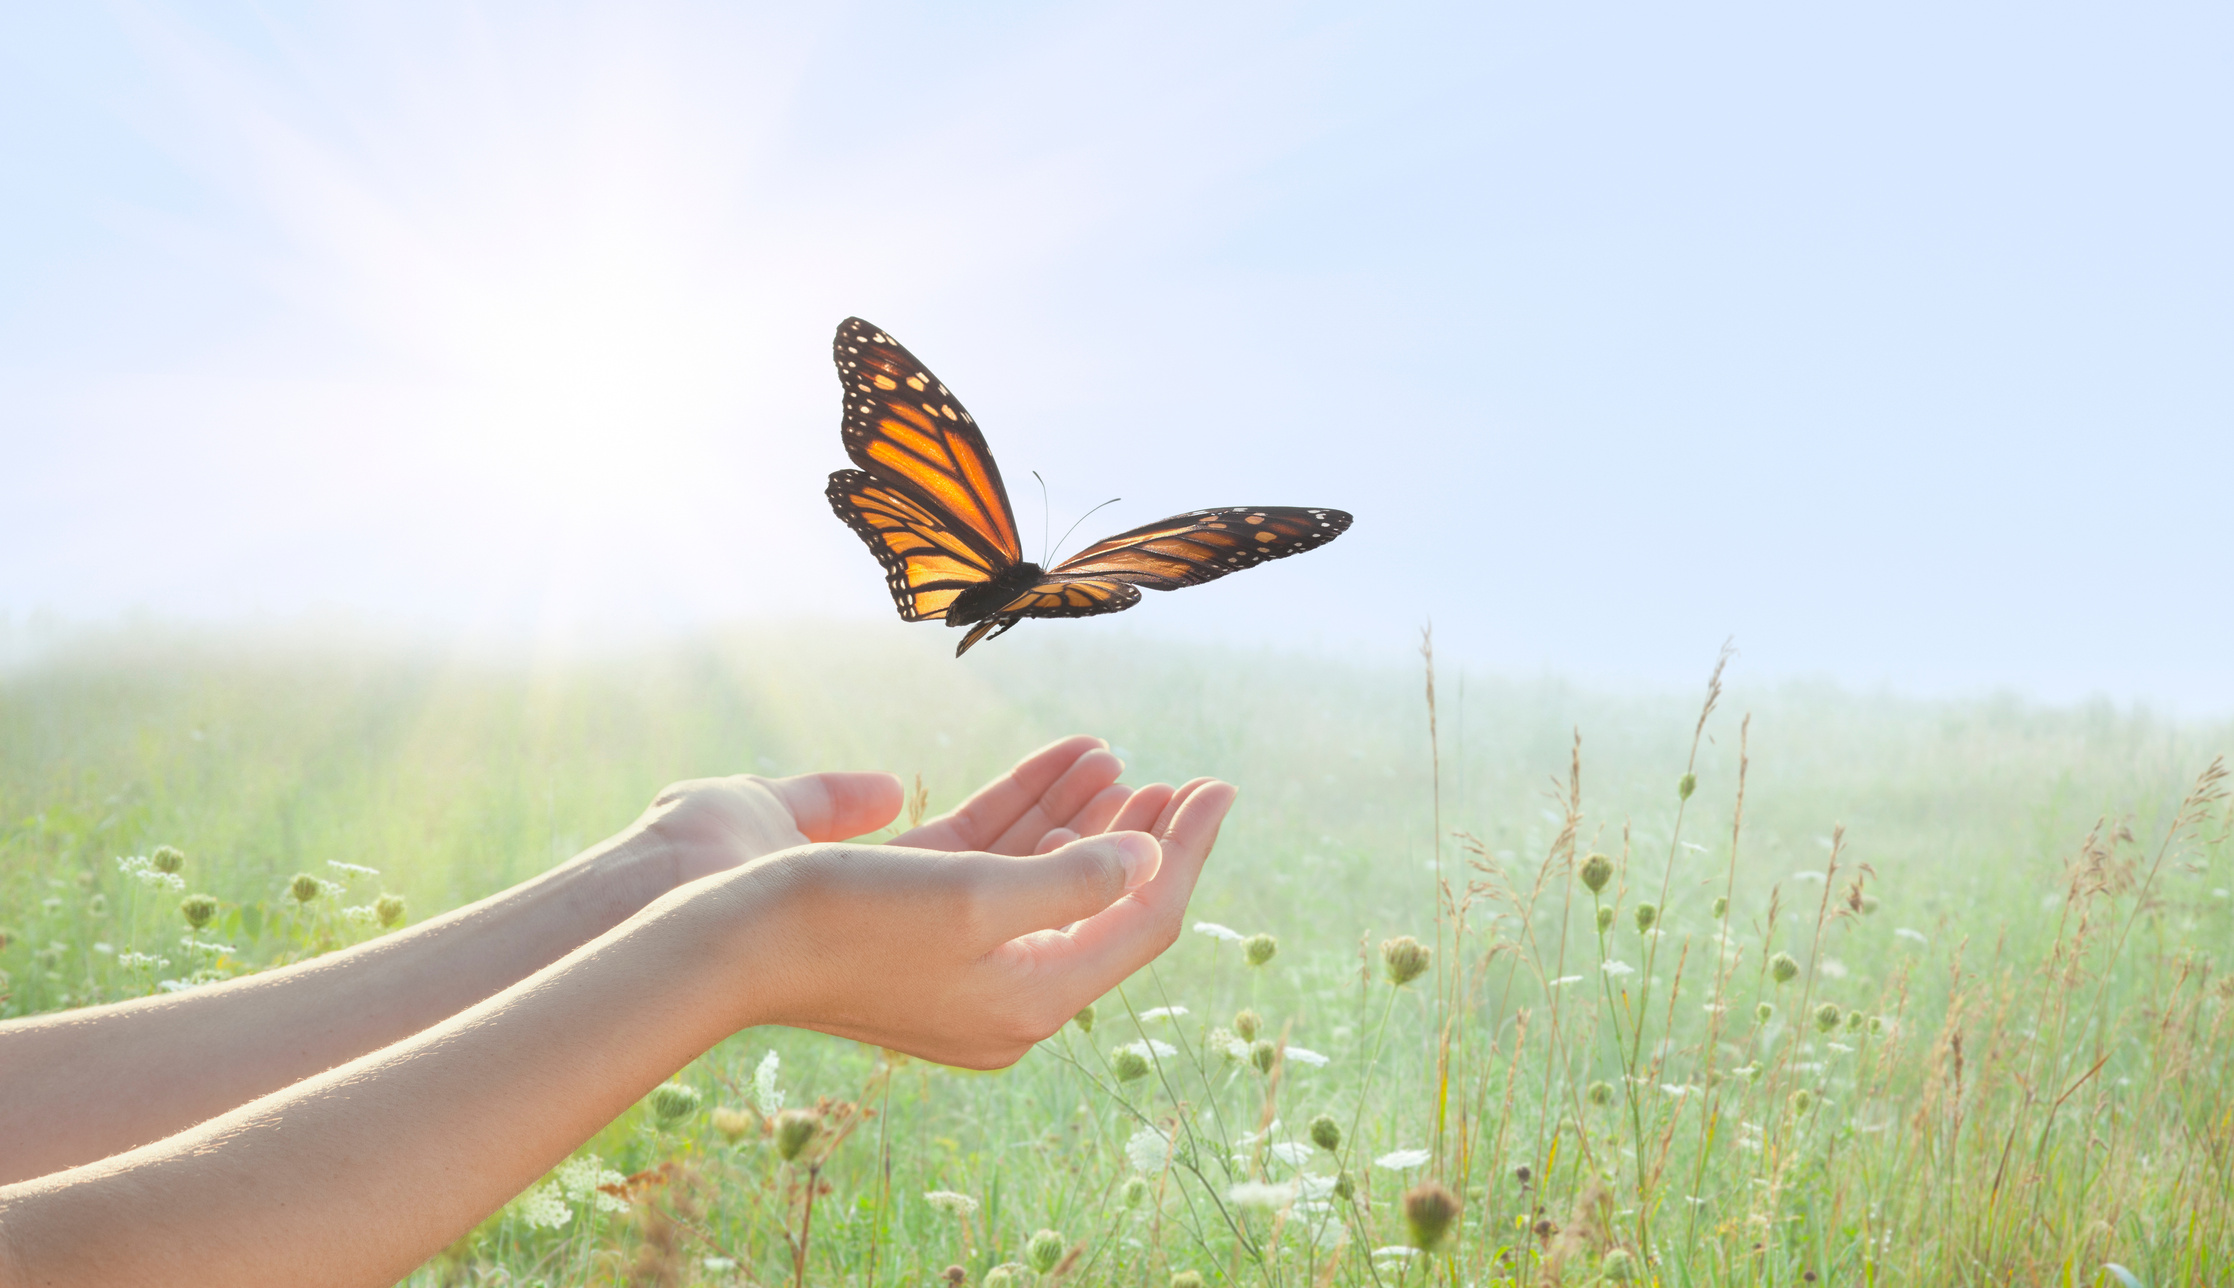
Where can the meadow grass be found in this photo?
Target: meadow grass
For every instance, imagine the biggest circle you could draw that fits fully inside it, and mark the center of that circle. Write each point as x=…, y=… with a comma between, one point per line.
x=1998, y=1057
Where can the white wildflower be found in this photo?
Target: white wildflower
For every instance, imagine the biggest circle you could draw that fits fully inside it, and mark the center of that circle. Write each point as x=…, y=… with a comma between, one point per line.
x=1402, y=1159
x=765, y=1093
x=142, y=961
x=1305, y=1055
x=583, y=1180
x=1255, y=1136
x=1831, y=968
x=719, y=1264
x=1840, y=1047
x=1216, y=931
x=1258, y=1194
x=1152, y=1049
x=104, y=949
x=142, y=869
x=1618, y=968
x=952, y=1202
x=1148, y=1150
x=363, y=915
x=1293, y=1153
x=353, y=869
x=1395, y=1252
x=545, y=1208
x=1564, y=980
x=1912, y=936
x=1676, y=1089
x=1162, y=1012
x=1809, y=876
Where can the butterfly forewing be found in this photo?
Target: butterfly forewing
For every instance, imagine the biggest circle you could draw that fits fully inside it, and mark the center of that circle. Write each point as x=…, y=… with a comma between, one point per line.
x=1202, y=545
x=903, y=426
x=926, y=563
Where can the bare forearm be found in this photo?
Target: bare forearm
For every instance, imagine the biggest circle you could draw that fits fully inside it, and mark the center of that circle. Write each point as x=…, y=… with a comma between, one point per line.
x=83, y=1085
x=387, y=1159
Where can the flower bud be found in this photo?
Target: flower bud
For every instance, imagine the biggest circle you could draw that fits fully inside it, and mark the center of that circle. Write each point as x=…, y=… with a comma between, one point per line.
x=388, y=908
x=1869, y=905
x=1617, y=1266
x=97, y=906
x=1429, y=1210
x=1802, y=1101
x=1085, y=1018
x=1187, y=1279
x=1248, y=1024
x=1721, y=906
x=1854, y=1020
x=1344, y=1188
x=998, y=1277
x=304, y=887
x=1605, y=918
x=1128, y=1064
x=1597, y=869
x=1763, y=1012
x=671, y=1102
x=1686, y=785
x=1263, y=1053
x=1600, y=1094
x=167, y=858
x=1877, y=1024
x=1259, y=949
x=1044, y=1249
x=198, y=909
x=1405, y=959
x=1136, y=1191
x=1646, y=915
x=1326, y=1133
x=794, y=1128
x=1827, y=1016
x=735, y=1124
x=1783, y=969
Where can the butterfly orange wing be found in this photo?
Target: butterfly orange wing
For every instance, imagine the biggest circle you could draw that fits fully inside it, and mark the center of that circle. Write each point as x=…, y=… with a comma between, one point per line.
x=926, y=561
x=1198, y=546
x=904, y=427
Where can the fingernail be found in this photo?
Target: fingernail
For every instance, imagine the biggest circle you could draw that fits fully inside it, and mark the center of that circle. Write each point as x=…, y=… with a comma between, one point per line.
x=1141, y=856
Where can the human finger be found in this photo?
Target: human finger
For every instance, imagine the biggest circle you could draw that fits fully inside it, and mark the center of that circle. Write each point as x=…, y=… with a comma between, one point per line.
x=977, y=822
x=1142, y=810
x=1014, y=896
x=1097, y=813
x=1068, y=794
x=836, y=806
x=1055, y=840
x=1111, y=944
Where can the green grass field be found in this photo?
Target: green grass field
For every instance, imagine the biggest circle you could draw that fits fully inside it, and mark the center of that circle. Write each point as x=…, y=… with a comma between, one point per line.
x=2001, y=1058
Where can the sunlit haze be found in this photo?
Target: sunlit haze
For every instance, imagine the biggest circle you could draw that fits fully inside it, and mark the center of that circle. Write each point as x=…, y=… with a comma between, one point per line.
x=1892, y=341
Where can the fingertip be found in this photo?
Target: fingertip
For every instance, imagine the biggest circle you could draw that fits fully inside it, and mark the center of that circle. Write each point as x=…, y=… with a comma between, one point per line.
x=1055, y=840
x=1140, y=855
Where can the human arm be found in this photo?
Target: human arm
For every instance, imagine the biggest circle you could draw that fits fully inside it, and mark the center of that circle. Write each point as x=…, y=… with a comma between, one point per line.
x=80, y=1085
x=953, y=956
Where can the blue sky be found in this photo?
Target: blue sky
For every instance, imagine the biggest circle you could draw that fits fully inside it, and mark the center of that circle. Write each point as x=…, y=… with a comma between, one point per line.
x=1892, y=341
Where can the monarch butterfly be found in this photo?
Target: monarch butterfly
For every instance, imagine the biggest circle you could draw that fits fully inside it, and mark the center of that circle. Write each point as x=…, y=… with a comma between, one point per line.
x=929, y=504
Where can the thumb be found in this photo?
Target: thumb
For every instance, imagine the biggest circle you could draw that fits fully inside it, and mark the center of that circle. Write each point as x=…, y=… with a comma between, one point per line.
x=1072, y=883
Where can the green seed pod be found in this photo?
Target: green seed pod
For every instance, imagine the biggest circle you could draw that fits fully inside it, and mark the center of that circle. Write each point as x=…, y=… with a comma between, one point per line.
x=1600, y=1094
x=1854, y=1021
x=1646, y=915
x=1136, y=1191
x=1764, y=1012
x=1605, y=918
x=671, y=1102
x=389, y=909
x=1262, y=1054
x=794, y=1128
x=198, y=909
x=97, y=906
x=1259, y=949
x=999, y=1277
x=1802, y=1101
x=1827, y=1016
x=1721, y=906
x=735, y=1124
x=1869, y=905
x=1345, y=1189
x=1686, y=785
x=1187, y=1279
x=1877, y=1025
x=1618, y=1266
x=167, y=858
x=1248, y=1024
x=304, y=887
x=1429, y=1210
x=1043, y=1250
x=1128, y=1064
x=1597, y=869
x=1405, y=959
x=1783, y=968
x=1326, y=1133
x=1085, y=1018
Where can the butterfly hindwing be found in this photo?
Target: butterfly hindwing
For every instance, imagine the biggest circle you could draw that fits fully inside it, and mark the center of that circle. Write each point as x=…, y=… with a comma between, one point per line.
x=1203, y=545
x=903, y=426
x=926, y=563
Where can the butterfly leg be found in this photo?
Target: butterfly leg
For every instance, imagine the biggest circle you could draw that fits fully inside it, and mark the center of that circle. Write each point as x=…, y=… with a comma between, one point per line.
x=990, y=628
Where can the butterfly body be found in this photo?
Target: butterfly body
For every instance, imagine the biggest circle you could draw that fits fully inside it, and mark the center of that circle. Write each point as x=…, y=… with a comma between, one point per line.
x=928, y=502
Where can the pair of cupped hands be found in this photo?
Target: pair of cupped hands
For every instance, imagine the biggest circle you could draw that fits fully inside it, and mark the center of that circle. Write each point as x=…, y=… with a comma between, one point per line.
x=963, y=940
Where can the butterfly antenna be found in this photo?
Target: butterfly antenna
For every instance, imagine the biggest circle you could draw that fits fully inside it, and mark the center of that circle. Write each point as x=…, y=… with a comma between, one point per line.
x=1043, y=519
x=1081, y=519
